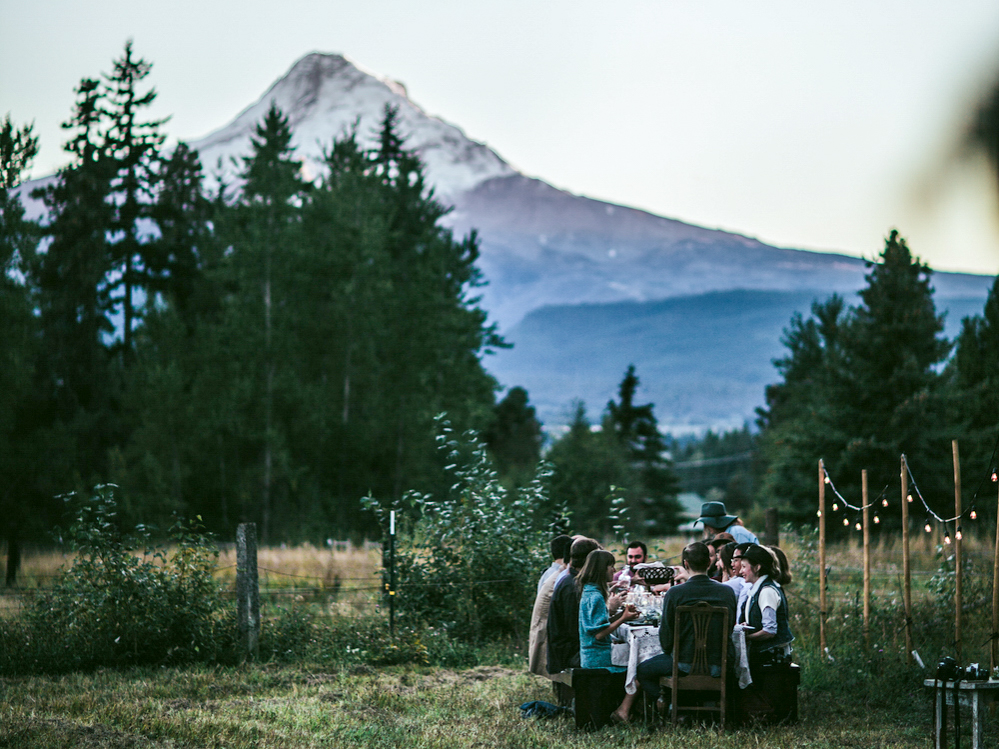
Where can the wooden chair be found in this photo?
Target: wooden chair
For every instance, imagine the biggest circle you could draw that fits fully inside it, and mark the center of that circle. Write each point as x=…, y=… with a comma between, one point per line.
x=699, y=678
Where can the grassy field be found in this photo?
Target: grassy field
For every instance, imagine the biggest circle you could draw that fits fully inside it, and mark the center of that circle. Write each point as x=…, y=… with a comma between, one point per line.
x=867, y=697
x=258, y=706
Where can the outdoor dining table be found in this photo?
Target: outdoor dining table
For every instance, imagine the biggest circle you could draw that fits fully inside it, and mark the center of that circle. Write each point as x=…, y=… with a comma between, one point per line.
x=631, y=644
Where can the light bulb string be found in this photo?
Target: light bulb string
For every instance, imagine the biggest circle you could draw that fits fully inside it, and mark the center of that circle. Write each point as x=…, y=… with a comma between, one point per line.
x=929, y=511
x=842, y=499
x=989, y=473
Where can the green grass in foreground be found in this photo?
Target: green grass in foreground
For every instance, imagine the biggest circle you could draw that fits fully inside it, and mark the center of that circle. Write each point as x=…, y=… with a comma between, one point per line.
x=399, y=707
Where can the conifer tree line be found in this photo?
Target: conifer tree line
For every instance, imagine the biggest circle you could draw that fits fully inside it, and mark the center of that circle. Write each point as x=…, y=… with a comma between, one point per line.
x=274, y=349
x=270, y=350
x=861, y=385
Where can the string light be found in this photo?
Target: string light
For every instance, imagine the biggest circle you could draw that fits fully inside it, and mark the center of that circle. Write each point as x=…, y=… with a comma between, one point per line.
x=947, y=538
x=835, y=507
x=818, y=514
x=909, y=498
x=884, y=502
x=928, y=528
x=995, y=476
x=877, y=520
x=858, y=526
x=973, y=514
x=958, y=535
x=829, y=480
x=846, y=521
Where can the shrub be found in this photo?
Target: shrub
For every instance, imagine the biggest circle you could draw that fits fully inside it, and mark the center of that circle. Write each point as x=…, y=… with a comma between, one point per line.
x=466, y=561
x=124, y=602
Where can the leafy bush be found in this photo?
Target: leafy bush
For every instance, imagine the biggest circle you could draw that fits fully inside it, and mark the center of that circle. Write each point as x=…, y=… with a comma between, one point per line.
x=296, y=635
x=124, y=602
x=466, y=562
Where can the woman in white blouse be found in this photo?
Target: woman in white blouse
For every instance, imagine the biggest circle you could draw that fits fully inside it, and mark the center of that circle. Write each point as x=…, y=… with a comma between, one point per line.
x=768, y=632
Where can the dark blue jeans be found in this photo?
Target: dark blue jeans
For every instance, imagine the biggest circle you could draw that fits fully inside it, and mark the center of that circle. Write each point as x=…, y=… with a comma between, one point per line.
x=650, y=671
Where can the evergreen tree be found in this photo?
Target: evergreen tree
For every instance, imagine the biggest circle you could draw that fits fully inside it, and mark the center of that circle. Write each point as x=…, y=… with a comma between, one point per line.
x=590, y=469
x=182, y=212
x=514, y=438
x=71, y=279
x=860, y=390
x=132, y=147
x=18, y=344
x=973, y=391
x=265, y=229
x=654, y=508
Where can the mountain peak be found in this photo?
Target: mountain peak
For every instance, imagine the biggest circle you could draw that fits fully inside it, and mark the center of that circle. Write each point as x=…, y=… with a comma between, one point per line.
x=324, y=94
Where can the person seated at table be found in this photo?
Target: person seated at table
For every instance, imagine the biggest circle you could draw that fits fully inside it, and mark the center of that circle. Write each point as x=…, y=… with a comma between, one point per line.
x=559, y=548
x=714, y=546
x=698, y=587
x=563, y=611
x=537, y=641
x=730, y=576
x=764, y=614
x=637, y=553
x=595, y=623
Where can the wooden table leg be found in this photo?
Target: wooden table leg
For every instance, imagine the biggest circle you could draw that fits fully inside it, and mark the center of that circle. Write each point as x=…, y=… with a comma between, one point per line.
x=976, y=721
x=939, y=729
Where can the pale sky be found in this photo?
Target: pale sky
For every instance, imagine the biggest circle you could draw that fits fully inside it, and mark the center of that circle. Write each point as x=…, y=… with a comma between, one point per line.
x=816, y=124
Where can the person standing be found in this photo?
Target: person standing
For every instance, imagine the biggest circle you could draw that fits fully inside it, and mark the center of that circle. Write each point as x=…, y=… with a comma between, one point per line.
x=715, y=519
x=559, y=548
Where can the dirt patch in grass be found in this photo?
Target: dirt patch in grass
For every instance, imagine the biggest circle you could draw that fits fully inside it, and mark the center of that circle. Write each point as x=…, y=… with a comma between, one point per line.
x=55, y=732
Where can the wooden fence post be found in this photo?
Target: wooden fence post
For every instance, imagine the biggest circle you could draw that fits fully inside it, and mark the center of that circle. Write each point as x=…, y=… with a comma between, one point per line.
x=822, y=559
x=247, y=588
x=867, y=559
x=771, y=526
x=958, y=603
x=994, y=660
x=906, y=570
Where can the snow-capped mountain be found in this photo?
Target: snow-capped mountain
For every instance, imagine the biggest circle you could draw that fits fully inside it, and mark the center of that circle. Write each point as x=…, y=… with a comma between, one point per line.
x=324, y=96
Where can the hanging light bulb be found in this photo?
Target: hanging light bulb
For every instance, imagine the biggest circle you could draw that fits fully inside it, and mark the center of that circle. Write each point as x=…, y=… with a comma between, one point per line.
x=859, y=526
x=829, y=481
x=818, y=513
x=973, y=514
x=835, y=507
x=947, y=538
x=909, y=498
x=884, y=502
x=846, y=521
x=958, y=535
x=928, y=528
x=995, y=476
x=877, y=520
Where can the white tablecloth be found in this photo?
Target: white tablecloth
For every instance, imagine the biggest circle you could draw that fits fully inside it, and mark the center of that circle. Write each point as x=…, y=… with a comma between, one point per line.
x=633, y=644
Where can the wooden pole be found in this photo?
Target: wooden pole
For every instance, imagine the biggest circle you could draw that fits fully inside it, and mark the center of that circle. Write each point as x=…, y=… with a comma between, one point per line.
x=867, y=559
x=957, y=552
x=247, y=588
x=392, y=572
x=822, y=558
x=994, y=661
x=771, y=526
x=906, y=570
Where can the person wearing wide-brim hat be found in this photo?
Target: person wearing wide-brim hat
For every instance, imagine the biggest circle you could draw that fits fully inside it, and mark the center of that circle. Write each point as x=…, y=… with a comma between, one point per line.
x=715, y=519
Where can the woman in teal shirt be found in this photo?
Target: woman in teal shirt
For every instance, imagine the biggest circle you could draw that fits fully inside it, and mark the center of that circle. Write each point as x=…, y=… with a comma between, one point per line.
x=595, y=625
